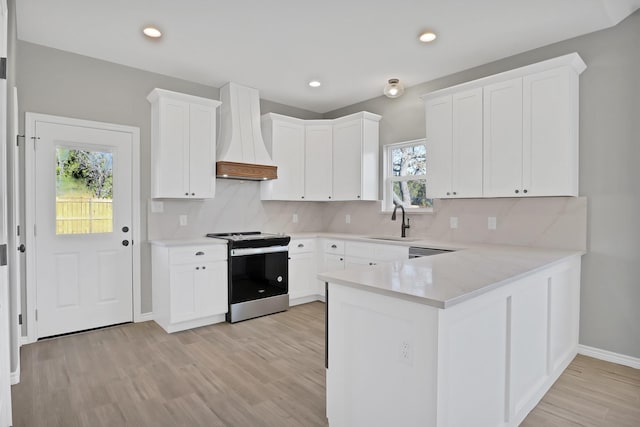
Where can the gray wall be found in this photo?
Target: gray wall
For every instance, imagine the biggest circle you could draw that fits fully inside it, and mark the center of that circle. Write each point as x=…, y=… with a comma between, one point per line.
x=56, y=82
x=609, y=170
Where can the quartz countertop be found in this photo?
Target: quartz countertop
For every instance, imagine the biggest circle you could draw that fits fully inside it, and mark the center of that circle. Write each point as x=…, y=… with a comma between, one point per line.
x=448, y=279
x=189, y=242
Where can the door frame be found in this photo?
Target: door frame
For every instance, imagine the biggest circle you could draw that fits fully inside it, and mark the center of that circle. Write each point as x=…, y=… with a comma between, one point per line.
x=30, y=126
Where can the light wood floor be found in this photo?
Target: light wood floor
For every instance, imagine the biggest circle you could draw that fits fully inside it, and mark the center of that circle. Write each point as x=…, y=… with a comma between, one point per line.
x=263, y=372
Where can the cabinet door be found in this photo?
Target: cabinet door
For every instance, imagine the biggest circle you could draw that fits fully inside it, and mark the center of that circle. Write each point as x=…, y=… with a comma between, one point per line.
x=302, y=275
x=288, y=155
x=318, y=160
x=202, y=151
x=171, y=172
x=347, y=160
x=503, y=139
x=211, y=288
x=438, y=141
x=333, y=262
x=550, y=144
x=350, y=261
x=466, y=168
x=182, y=293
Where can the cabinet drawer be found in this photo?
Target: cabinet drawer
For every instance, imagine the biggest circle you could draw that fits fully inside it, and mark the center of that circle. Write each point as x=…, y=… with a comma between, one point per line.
x=360, y=250
x=300, y=246
x=334, y=246
x=197, y=254
x=391, y=253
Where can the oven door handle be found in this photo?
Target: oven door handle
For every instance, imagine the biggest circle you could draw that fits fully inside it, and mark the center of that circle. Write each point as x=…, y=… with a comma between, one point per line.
x=257, y=251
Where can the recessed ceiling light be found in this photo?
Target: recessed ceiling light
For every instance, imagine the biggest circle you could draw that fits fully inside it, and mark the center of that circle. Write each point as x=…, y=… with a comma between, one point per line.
x=427, y=36
x=152, y=32
x=315, y=83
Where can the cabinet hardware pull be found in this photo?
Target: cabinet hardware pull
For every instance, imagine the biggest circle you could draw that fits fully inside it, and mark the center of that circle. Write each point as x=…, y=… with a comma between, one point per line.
x=358, y=196
x=204, y=268
x=193, y=194
x=525, y=191
x=454, y=193
x=300, y=245
x=125, y=229
x=448, y=194
x=517, y=191
x=186, y=194
x=334, y=247
x=197, y=268
x=199, y=253
x=341, y=259
x=302, y=197
x=329, y=196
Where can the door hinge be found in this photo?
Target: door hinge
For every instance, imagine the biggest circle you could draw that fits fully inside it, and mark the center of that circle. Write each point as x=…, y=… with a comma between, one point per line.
x=18, y=139
x=17, y=230
x=3, y=68
x=36, y=315
x=19, y=319
x=3, y=254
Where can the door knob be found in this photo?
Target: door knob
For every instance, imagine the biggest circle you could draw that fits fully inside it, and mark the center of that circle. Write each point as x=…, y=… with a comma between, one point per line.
x=125, y=229
x=22, y=248
x=125, y=243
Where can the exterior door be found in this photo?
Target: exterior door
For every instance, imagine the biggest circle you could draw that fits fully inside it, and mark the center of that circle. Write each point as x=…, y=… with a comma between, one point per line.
x=83, y=218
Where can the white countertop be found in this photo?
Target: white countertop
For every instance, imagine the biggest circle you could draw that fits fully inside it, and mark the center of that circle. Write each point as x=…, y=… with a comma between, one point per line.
x=195, y=241
x=447, y=279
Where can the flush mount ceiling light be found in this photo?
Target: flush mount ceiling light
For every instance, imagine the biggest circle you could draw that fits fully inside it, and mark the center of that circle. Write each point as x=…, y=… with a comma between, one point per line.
x=393, y=88
x=315, y=83
x=152, y=32
x=427, y=36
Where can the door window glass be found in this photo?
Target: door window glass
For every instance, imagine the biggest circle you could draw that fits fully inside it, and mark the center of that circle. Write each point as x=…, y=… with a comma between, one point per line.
x=84, y=191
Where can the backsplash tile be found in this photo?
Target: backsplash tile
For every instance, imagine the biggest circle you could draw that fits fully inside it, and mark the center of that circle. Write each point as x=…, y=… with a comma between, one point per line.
x=554, y=222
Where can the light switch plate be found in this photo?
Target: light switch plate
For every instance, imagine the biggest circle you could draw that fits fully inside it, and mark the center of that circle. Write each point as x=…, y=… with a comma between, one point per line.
x=453, y=222
x=492, y=223
x=157, y=206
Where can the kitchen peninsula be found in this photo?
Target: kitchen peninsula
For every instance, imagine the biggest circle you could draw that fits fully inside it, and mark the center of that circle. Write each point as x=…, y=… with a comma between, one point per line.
x=473, y=337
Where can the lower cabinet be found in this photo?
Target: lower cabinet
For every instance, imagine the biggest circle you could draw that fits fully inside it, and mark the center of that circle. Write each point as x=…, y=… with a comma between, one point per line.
x=189, y=285
x=303, y=285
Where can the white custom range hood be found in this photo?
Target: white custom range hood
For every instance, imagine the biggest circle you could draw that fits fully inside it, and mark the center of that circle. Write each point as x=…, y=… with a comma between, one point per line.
x=241, y=150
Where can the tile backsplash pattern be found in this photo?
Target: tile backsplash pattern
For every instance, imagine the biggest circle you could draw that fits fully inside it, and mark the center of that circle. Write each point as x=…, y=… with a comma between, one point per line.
x=554, y=222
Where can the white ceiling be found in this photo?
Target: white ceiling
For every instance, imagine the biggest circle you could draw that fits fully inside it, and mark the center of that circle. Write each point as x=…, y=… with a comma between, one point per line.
x=277, y=46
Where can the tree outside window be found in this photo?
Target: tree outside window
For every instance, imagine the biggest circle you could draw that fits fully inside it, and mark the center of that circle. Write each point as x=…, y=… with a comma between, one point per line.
x=405, y=176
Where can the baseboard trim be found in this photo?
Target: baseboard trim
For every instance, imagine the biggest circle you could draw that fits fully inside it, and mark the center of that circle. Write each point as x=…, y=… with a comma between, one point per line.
x=609, y=356
x=144, y=317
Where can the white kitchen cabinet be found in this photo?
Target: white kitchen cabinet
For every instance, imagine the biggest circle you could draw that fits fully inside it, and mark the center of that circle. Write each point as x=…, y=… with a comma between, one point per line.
x=355, y=157
x=284, y=138
x=318, y=161
x=531, y=135
x=454, y=144
x=503, y=139
x=303, y=284
x=183, y=145
x=189, y=285
x=513, y=134
x=359, y=253
x=333, y=262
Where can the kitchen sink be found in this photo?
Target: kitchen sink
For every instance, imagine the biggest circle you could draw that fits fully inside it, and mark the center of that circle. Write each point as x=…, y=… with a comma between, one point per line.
x=392, y=238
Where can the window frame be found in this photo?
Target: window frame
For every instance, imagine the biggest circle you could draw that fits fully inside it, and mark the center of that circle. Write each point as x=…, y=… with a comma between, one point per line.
x=389, y=178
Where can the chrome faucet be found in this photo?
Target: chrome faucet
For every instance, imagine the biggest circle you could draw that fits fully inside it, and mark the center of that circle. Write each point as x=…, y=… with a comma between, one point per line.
x=403, y=227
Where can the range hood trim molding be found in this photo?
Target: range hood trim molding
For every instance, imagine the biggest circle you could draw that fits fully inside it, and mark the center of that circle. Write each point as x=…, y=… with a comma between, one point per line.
x=245, y=171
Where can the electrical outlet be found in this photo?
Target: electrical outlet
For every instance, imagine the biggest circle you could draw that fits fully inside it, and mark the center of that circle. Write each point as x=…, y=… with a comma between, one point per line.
x=453, y=222
x=347, y=219
x=157, y=206
x=295, y=218
x=406, y=353
x=492, y=223
x=183, y=220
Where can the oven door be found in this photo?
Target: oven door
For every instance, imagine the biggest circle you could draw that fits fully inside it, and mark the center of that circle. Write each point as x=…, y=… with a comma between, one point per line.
x=257, y=273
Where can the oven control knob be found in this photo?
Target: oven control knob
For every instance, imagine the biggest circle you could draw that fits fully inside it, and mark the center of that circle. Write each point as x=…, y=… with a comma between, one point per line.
x=279, y=279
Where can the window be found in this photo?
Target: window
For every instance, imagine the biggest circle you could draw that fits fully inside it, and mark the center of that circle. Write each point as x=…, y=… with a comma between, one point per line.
x=405, y=179
x=84, y=191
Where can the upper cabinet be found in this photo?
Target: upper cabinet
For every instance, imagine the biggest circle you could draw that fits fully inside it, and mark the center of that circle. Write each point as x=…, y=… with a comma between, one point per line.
x=322, y=160
x=454, y=144
x=183, y=145
x=355, y=157
x=514, y=134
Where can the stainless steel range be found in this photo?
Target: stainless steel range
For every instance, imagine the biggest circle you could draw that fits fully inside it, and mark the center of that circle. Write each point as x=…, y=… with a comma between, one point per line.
x=258, y=274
